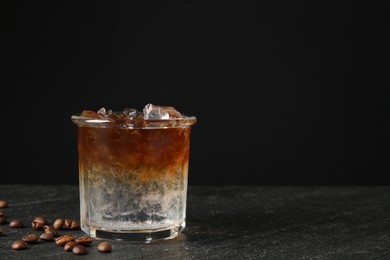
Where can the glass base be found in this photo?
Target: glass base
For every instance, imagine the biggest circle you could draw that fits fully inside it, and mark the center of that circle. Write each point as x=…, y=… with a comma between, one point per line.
x=138, y=236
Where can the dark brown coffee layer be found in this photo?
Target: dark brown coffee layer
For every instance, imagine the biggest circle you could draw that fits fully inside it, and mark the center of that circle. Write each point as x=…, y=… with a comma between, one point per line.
x=145, y=152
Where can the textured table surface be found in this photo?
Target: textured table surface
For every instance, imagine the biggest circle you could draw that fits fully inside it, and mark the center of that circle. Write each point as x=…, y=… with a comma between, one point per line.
x=228, y=223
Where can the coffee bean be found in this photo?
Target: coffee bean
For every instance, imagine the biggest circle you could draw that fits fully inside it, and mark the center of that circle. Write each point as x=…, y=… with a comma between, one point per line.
x=30, y=238
x=16, y=223
x=19, y=245
x=104, y=247
x=69, y=246
x=74, y=225
x=39, y=222
x=47, y=237
x=58, y=224
x=79, y=250
x=50, y=229
x=62, y=240
x=2, y=214
x=41, y=219
x=67, y=223
x=1, y=231
x=84, y=241
x=3, y=220
x=71, y=224
x=3, y=204
x=36, y=225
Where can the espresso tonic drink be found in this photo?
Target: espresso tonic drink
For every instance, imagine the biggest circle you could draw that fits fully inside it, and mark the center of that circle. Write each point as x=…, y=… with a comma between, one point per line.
x=133, y=169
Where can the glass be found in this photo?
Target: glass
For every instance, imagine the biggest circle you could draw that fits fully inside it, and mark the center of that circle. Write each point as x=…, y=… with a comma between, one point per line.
x=133, y=177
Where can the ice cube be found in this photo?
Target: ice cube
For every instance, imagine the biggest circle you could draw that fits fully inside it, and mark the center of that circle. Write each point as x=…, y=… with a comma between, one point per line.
x=102, y=111
x=160, y=112
x=172, y=112
x=154, y=112
x=131, y=113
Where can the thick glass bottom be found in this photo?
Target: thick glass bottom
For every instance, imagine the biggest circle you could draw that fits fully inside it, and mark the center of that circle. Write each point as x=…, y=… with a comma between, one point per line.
x=138, y=236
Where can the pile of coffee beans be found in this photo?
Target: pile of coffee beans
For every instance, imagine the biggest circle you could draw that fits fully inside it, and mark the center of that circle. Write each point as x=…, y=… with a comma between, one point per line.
x=50, y=233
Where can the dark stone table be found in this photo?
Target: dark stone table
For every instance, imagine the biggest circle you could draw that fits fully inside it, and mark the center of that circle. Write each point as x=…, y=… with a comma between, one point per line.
x=228, y=223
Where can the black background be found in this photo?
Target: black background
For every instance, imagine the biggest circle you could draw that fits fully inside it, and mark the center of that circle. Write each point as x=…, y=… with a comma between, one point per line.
x=285, y=92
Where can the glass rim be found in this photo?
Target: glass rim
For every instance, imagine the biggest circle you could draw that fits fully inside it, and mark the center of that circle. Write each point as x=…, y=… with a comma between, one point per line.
x=185, y=121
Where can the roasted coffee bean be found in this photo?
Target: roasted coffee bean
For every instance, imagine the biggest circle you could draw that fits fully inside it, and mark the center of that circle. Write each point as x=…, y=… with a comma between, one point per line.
x=2, y=214
x=62, y=240
x=39, y=222
x=69, y=246
x=74, y=225
x=16, y=223
x=104, y=247
x=58, y=224
x=3, y=204
x=1, y=231
x=79, y=250
x=67, y=223
x=50, y=229
x=84, y=241
x=30, y=238
x=47, y=237
x=19, y=245
x=37, y=225
x=3, y=220
x=41, y=219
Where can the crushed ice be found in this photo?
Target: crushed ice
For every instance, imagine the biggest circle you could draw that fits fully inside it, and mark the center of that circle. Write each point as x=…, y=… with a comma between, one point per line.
x=150, y=112
x=160, y=112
